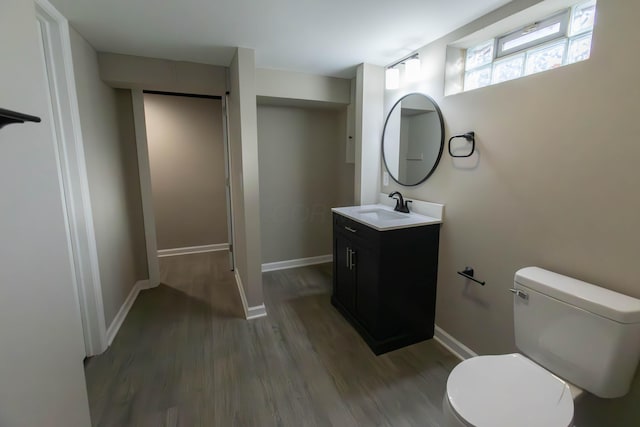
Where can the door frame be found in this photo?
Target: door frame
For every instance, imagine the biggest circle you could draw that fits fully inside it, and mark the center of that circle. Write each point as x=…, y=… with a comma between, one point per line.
x=144, y=171
x=72, y=173
x=227, y=176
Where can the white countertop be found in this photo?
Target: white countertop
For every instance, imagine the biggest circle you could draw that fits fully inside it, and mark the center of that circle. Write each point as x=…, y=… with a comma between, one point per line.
x=383, y=218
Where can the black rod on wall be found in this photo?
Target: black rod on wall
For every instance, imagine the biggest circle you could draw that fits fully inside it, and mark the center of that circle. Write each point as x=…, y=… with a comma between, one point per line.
x=187, y=95
x=468, y=273
x=406, y=58
x=8, y=117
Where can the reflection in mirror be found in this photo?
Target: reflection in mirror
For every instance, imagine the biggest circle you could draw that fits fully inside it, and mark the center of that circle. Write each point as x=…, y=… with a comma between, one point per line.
x=413, y=139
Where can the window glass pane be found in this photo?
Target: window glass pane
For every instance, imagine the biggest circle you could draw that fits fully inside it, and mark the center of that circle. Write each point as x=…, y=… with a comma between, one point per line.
x=477, y=78
x=508, y=69
x=579, y=49
x=533, y=35
x=479, y=55
x=563, y=38
x=546, y=58
x=583, y=18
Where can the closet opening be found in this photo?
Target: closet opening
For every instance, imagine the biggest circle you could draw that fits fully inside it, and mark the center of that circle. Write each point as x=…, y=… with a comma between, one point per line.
x=189, y=161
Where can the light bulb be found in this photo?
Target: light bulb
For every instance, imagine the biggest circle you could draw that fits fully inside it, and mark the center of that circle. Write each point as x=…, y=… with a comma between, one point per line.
x=412, y=69
x=392, y=78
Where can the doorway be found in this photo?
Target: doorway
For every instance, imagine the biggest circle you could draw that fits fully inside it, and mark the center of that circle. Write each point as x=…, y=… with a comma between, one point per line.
x=186, y=160
x=81, y=242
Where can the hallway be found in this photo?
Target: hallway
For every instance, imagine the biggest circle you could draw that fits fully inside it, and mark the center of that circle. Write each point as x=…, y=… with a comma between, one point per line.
x=185, y=356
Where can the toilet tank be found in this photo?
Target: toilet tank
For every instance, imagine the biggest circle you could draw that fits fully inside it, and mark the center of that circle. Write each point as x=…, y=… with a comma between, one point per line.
x=585, y=334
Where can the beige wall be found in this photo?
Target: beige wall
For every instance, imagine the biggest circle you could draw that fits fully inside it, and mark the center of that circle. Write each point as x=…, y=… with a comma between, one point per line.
x=555, y=185
x=127, y=133
x=136, y=72
x=41, y=372
x=303, y=174
x=186, y=155
x=301, y=86
x=110, y=153
x=243, y=141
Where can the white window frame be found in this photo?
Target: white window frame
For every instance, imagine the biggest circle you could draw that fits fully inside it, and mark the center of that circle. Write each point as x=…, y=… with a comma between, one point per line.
x=561, y=18
x=565, y=33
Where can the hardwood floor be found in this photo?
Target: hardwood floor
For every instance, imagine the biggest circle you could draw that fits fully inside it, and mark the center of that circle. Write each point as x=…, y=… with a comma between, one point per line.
x=185, y=356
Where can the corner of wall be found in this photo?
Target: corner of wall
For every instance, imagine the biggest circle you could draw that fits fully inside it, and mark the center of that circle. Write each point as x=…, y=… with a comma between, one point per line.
x=369, y=120
x=243, y=138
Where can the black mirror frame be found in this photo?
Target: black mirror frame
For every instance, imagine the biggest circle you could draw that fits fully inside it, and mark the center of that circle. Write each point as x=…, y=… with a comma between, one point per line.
x=435, y=164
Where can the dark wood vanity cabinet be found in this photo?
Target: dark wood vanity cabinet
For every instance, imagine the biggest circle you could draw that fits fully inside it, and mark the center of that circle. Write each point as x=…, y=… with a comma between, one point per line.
x=384, y=282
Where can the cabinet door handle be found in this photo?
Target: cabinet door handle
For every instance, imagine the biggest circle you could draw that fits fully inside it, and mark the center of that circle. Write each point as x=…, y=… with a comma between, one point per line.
x=348, y=259
x=353, y=230
x=351, y=262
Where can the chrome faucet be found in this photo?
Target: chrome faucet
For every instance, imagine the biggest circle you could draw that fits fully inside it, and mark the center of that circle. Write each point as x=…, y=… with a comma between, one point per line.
x=402, y=205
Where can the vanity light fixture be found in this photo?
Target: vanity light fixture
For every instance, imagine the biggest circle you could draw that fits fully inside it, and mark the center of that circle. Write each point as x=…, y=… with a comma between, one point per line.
x=392, y=78
x=412, y=69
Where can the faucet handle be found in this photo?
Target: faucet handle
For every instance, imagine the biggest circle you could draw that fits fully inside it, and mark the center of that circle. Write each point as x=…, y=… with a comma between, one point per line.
x=401, y=204
x=398, y=204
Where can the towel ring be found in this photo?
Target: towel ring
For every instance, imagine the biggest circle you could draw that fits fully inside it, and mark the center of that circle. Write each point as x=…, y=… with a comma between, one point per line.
x=470, y=137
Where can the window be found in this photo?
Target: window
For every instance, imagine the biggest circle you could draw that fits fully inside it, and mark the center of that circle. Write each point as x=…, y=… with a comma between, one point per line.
x=562, y=39
x=533, y=34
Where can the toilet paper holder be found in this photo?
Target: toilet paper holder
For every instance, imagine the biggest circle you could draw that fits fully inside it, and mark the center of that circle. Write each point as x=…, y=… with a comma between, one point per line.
x=468, y=273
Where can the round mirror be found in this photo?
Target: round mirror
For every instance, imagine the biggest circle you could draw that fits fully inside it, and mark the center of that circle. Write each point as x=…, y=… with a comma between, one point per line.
x=413, y=139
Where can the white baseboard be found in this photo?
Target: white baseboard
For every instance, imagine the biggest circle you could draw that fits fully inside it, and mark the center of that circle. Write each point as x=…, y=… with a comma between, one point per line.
x=257, y=311
x=243, y=297
x=145, y=284
x=249, y=312
x=293, y=263
x=193, y=250
x=458, y=349
x=124, y=310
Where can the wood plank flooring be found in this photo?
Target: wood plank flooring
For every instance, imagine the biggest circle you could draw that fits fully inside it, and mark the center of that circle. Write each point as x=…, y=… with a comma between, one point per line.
x=185, y=356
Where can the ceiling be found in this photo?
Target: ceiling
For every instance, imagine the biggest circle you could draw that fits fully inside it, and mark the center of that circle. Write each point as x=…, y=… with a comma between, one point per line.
x=327, y=37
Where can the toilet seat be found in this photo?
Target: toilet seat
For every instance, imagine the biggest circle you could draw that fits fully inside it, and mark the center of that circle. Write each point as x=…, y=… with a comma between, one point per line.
x=508, y=390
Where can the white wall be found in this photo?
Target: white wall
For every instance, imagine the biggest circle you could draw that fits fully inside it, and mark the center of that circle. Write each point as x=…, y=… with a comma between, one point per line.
x=110, y=154
x=369, y=122
x=394, y=138
x=243, y=141
x=41, y=371
x=555, y=185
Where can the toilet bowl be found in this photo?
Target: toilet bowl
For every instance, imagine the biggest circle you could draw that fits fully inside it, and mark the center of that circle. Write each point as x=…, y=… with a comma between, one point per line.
x=506, y=391
x=555, y=319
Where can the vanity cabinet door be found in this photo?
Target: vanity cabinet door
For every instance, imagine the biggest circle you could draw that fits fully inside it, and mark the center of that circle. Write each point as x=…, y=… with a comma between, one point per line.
x=345, y=280
x=367, y=299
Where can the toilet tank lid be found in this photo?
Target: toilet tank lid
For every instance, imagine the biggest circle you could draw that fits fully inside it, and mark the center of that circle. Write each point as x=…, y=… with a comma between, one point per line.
x=603, y=302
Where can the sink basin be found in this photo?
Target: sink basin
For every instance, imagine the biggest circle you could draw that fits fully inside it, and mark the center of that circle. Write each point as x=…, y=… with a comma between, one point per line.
x=382, y=214
x=382, y=217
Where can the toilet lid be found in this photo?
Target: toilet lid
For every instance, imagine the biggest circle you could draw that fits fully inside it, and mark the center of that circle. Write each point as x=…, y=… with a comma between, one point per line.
x=508, y=390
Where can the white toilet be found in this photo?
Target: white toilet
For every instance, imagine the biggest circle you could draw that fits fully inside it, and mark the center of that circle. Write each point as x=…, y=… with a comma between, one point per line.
x=584, y=334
